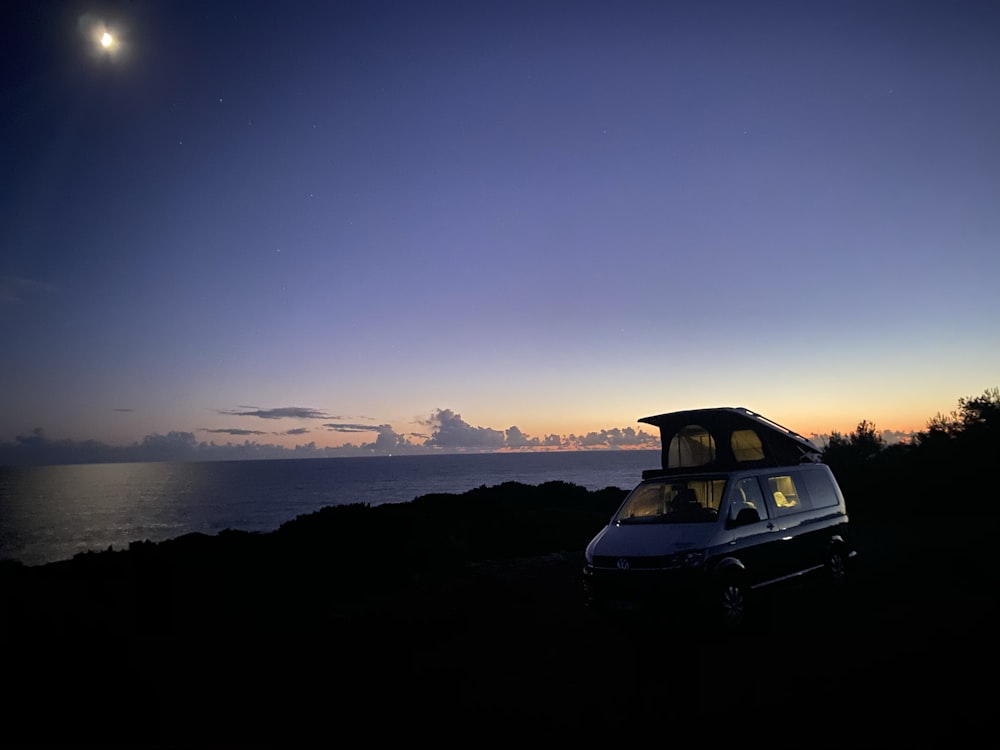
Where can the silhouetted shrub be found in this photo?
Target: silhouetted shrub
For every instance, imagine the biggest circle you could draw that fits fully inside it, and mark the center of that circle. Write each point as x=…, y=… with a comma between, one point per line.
x=943, y=472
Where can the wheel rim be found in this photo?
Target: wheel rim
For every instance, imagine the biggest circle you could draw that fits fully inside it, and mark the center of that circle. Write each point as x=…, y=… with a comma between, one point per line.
x=838, y=568
x=733, y=605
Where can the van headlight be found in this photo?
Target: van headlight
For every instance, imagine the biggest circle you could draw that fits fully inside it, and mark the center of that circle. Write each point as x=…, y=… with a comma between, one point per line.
x=588, y=554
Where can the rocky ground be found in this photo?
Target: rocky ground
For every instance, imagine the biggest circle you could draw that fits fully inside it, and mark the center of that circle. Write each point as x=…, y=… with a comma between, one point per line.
x=104, y=651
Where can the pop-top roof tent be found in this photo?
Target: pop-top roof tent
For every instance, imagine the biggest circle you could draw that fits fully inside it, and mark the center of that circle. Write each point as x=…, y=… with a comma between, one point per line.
x=724, y=439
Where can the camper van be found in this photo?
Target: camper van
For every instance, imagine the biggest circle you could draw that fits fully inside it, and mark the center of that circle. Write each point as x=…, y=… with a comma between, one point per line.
x=739, y=505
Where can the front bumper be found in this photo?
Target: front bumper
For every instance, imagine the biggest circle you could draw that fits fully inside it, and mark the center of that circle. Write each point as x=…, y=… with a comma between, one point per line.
x=642, y=590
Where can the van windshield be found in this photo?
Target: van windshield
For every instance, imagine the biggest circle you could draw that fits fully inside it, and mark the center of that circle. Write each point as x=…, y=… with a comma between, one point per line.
x=672, y=500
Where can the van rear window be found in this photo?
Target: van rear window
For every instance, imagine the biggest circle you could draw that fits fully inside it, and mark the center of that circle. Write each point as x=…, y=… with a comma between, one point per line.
x=801, y=490
x=822, y=493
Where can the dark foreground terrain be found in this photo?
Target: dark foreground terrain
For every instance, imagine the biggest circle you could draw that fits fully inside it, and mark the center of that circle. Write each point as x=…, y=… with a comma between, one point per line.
x=459, y=620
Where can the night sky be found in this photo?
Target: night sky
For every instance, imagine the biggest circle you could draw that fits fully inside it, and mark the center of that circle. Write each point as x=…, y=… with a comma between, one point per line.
x=425, y=222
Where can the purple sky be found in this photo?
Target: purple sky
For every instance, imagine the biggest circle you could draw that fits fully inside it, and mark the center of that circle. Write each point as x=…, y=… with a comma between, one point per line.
x=318, y=222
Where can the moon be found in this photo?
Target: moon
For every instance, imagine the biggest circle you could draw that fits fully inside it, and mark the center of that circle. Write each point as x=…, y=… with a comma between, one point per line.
x=107, y=42
x=104, y=36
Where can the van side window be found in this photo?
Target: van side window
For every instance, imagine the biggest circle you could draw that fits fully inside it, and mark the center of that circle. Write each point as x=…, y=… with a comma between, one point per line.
x=710, y=492
x=822, y=493
x=787, y=493
x=747, y=497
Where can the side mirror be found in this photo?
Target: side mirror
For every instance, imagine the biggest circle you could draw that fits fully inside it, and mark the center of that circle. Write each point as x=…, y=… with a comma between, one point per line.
x=745, y=517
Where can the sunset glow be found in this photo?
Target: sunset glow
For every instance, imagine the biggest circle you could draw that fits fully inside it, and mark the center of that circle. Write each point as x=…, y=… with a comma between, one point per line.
x=522, y=228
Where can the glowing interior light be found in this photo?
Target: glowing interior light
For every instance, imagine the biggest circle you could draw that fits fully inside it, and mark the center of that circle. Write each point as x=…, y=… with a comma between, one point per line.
x=106, y=40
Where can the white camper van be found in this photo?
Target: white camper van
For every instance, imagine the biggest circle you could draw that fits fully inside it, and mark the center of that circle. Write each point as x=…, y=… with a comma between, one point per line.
x=739, y=504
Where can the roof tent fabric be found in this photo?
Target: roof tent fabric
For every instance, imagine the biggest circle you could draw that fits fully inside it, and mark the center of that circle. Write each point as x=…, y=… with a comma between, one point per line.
x=779, y=445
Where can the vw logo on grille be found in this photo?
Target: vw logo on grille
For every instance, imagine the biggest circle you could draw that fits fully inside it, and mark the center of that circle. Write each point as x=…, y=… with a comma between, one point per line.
x=622, y=563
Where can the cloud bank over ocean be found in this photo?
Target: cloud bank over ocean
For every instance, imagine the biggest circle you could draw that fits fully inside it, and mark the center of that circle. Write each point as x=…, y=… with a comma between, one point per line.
x=446, y=432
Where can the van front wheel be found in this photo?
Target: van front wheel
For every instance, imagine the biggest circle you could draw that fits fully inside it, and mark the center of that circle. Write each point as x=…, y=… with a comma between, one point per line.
x=731, y=605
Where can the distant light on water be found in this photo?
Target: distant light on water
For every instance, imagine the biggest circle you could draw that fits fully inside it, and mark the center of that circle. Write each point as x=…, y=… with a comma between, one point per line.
x=54, y=512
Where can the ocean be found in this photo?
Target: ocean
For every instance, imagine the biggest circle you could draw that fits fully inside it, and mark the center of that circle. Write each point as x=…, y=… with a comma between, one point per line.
x=51, y=513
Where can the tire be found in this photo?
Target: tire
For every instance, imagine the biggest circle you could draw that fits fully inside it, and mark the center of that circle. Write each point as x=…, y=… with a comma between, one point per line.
x=731, y=606
x=836, y=569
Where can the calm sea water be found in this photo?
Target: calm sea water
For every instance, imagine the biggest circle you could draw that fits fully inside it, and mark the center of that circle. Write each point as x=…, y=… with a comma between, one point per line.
x=50, y=513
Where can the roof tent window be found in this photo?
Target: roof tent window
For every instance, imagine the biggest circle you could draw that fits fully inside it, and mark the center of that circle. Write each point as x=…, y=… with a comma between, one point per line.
x=691, y=446
x=746, y=445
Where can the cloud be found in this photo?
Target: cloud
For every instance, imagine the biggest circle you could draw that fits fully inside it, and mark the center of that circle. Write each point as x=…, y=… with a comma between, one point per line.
x=448, y=432
x=282, y=412
x=389, y=441
x=451, y=431
x=890, y=437
x=234, y=431
x=338, y=427
x=14, y=289
x=124, y=411
x=617, y=437
x=517, y=439
x=36, y=448
x=174, y=437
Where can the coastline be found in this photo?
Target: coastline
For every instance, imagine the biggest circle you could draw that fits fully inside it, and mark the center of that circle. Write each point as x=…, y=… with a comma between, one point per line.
x=452, y=611
x=52, y=513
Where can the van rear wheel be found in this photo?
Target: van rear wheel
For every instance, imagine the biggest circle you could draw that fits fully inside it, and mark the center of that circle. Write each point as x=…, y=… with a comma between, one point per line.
x=836, y=568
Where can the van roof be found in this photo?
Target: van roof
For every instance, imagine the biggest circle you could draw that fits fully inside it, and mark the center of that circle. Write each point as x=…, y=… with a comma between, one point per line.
x=778, y=446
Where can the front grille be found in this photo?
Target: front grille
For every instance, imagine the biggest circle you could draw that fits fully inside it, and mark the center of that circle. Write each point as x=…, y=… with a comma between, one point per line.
x=654, y=562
